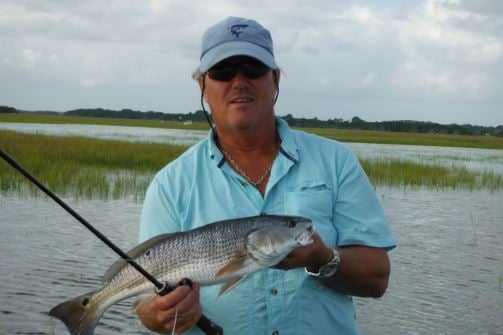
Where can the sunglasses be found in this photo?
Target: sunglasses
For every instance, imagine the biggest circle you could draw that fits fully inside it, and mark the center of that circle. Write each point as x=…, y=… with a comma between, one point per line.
x=226, y=70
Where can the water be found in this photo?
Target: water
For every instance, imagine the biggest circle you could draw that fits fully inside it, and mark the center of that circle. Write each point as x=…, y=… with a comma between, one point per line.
x=131, y=134
x=484, y=160
x=49, y=257
x=480, y=160
x=447, y=273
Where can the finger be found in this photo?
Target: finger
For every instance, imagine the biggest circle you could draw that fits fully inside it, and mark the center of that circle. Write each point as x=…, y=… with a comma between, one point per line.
x=184, y=309
x=181, y=322
x=188, y=302
x=191, y=322
x=168, y=301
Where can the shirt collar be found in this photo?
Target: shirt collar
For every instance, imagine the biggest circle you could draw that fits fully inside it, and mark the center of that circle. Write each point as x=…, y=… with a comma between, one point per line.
x=288, y=145
x=213, y=151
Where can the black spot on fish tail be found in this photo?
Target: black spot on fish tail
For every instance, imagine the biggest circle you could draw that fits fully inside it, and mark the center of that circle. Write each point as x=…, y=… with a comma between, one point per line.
x=79, y=314
x=85, y=301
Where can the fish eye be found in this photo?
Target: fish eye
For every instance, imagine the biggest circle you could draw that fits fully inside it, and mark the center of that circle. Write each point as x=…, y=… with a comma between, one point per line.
x=291, y=224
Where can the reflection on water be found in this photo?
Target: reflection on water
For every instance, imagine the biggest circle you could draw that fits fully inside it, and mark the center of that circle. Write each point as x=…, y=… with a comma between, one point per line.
x=482, y=160
x=447, y=273
x=132, y=134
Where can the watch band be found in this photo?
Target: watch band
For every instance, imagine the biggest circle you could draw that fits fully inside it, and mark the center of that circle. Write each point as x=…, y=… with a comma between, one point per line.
x=328, y=269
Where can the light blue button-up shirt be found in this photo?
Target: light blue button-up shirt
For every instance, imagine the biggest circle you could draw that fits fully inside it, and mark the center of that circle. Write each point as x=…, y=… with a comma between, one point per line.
x=313, y=177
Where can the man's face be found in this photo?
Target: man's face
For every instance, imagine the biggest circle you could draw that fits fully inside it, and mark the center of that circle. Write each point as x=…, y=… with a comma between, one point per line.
x=240, y=102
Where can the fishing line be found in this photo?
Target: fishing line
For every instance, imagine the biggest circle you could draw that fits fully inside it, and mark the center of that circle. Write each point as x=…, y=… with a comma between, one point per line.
x=205, y=324
x=174, y=321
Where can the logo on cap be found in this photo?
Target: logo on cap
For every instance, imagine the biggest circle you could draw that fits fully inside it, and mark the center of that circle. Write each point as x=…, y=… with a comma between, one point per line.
x=238, y=29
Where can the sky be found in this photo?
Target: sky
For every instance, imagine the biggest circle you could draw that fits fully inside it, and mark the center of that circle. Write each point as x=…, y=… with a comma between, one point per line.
x=425, y=60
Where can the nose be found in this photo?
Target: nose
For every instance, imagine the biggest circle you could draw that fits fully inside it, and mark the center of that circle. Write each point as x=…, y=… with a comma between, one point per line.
x=239, y=81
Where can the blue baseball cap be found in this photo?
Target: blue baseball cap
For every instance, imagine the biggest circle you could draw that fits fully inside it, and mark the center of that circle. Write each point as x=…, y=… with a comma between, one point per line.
x=236, y=36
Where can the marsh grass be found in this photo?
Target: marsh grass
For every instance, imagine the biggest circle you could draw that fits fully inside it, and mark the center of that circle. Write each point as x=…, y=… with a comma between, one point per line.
x=63, y=119
x=407, y=174
x=385, y=137
x=83, y=167
x=343, y=135
x=92, y=168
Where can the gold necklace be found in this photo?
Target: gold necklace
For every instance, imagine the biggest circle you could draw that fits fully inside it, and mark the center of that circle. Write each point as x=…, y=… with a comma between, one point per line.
x=260, y=180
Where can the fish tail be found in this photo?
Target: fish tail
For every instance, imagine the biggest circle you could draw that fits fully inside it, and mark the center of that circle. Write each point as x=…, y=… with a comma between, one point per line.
x=80, y=314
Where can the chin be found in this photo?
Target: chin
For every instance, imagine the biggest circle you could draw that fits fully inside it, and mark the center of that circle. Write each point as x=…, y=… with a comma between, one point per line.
x=244, y=120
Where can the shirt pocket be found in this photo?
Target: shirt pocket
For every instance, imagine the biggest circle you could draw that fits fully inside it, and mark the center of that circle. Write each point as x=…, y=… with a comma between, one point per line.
x=314, y=200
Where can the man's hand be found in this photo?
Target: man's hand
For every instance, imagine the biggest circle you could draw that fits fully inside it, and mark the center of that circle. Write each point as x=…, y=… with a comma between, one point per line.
x=312, y=256
x=159, y=313
x=363, y=271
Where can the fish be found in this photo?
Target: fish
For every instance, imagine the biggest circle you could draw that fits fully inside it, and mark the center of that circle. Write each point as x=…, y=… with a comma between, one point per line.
x=223, y=252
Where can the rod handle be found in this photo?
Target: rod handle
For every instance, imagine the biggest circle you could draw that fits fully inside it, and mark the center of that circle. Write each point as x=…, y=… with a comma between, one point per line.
x=209, y=327
x=206, y=325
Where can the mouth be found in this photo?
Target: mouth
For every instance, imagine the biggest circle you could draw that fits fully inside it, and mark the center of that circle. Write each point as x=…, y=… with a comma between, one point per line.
x=304, y=238
x=241, y=100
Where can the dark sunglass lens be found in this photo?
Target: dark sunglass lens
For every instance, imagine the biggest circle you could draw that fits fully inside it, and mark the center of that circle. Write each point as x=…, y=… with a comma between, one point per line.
x=224, y=73
x=226, y=70
x=254, y=70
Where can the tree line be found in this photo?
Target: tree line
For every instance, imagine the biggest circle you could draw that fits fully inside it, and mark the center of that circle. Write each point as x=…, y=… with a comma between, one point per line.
x=355, y=123
x=408, y=126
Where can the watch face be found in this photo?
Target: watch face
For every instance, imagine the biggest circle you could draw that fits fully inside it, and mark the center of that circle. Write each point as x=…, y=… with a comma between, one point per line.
x=330, y=270
x=331, y=267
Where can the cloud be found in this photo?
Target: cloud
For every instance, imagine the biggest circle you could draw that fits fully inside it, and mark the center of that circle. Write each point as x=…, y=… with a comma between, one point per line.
x=337, y=54
x=369, y=78
x=87, y=83
x=484, y=7
x=446, y=59
x=30, y=57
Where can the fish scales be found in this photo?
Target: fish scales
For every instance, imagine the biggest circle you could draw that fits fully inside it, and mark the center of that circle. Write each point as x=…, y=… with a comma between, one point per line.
x=222, y=252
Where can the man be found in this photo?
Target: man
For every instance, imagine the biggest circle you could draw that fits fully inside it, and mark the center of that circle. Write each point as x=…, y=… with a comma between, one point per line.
x=252, y=163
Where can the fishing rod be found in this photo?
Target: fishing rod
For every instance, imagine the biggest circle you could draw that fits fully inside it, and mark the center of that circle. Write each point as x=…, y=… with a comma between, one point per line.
x=205, y=324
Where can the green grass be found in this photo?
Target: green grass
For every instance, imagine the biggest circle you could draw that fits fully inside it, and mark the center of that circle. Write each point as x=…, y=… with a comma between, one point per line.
x=343, y=135
x=385, y=137
x=407, y=174
x=83, y=167
x=90, y=168
x=56, y=119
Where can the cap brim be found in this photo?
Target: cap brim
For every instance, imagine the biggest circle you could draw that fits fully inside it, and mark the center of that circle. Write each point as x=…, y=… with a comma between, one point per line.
x=235, y=48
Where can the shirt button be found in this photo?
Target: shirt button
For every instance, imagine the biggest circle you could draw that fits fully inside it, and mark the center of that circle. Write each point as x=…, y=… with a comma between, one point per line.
x=275, y=332
x=274, y=291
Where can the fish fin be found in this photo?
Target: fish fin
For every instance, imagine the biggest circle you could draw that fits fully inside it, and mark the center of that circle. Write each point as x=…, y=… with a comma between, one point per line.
x=79, y=314
x=232, y=267
x=134, y=253
x=142, y=299
x=230, y=285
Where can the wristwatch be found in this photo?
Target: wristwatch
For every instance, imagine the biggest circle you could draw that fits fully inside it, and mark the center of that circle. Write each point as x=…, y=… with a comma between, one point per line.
x=329, y=269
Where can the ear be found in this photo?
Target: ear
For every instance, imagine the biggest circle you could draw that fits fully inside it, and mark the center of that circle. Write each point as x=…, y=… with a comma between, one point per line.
x=202, y=87
x=200, y=81
x=277, y=75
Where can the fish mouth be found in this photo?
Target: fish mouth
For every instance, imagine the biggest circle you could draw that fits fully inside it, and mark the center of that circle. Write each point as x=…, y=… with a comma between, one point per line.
x=304, y=238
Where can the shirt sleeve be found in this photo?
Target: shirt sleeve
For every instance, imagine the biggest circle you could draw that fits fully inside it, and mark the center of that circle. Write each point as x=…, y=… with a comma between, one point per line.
x=358, y=215
x=158, y=214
